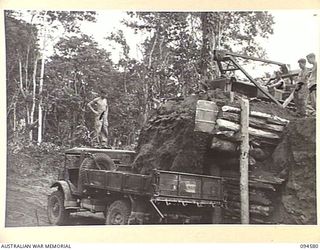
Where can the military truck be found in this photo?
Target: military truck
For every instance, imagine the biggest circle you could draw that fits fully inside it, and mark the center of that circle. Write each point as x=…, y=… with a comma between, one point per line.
x=103, y=181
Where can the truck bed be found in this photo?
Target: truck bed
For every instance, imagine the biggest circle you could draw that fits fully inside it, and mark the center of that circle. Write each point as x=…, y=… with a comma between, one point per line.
x=117, y=181
x=160, y=185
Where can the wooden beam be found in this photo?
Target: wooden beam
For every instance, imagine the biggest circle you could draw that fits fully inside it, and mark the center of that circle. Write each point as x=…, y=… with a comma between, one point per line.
x=253, y=122
x=268, y=117
x=225, y=124
x=266, y=93
x=244, y=161
x=289, y=99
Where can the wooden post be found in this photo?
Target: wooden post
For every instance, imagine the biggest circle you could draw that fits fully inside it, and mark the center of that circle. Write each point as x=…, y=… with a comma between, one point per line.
x=244, y=161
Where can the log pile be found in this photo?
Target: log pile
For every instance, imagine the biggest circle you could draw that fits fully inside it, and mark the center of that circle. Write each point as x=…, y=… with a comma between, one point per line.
x=262, y=199
x=263, y=127
x=265, y=132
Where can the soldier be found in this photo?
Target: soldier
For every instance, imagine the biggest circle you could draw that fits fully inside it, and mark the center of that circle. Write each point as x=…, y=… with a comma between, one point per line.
x=301, y=89
x=312, y=79
x=278, y=82
x=101, y=117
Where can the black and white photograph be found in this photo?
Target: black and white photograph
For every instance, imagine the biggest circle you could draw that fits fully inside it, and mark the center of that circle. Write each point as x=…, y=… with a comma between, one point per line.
x=160, y=117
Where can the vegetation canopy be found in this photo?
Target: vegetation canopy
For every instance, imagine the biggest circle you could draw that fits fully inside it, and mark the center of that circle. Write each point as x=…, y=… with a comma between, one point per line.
x=48, y=89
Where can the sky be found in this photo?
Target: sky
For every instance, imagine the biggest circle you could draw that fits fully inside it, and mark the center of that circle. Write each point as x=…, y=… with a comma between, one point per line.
x=110, y=21
x=296, y=34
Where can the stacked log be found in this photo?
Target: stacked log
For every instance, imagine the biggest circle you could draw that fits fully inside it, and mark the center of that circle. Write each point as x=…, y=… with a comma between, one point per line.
x=266, y=127
x=262, y=198
x=265, y=132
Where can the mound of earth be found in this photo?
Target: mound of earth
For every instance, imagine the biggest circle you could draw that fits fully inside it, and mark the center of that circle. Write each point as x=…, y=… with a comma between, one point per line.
x=168, y=142
x=296, y=156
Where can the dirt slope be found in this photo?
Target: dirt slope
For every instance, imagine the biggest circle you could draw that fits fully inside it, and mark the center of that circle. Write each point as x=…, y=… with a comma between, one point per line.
x=296, y=155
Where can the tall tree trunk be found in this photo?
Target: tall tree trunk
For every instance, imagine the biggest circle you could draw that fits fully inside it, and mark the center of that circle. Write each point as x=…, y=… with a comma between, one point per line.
x=44, y=120
x=43, y=45
x=72, y=128
x=22, y=90
x=27, y=114
x=125, y=80
x=26, y=85
x=40, y=99
x=33, y=96
x=207, y=45
x=146, y=97
x=146, y=84
x=217, y=41
x=26, y=67
x=75, y=84
x=21, y=79
x=14, y=116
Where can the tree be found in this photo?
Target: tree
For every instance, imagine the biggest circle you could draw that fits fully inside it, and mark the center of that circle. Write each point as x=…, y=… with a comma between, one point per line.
x=170, y=55
x=232, y=31
x=46, y=24
x=177, y=58
x=125, y=114
x=21, y=59
x=179, y=50
x=51, y=19
x=77, y=69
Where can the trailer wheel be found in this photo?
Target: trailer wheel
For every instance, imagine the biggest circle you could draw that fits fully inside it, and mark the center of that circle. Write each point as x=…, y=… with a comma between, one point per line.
x=118, y=213
x=57, y=214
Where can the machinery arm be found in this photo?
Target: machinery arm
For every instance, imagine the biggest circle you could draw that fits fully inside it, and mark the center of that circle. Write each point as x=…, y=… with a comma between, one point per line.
x=224, y=56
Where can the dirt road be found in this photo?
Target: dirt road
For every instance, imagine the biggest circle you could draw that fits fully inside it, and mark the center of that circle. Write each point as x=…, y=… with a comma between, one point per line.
x=26, y=198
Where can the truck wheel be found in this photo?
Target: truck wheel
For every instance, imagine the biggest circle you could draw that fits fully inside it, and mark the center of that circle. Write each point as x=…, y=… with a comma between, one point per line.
x=57, y=214
x=104, y=162
x=118, y=213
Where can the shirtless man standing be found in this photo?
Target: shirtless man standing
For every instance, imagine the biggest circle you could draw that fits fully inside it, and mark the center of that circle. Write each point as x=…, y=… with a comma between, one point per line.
x=101, y=117
x=313, y=79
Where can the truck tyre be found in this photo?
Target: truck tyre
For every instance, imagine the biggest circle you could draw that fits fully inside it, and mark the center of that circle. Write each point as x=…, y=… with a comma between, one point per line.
x=118, y=213
x=103, y=161
x=57, y=214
